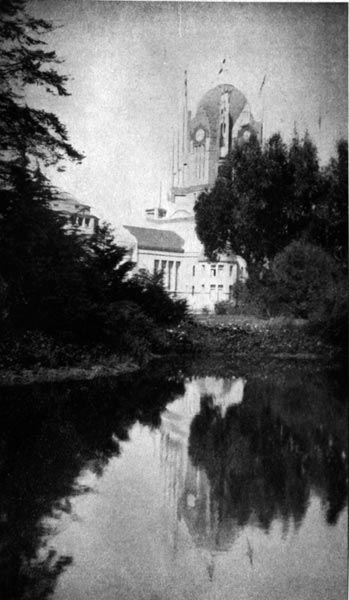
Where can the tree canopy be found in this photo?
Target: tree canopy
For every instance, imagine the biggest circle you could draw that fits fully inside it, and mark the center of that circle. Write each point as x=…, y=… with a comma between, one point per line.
x=267, y=196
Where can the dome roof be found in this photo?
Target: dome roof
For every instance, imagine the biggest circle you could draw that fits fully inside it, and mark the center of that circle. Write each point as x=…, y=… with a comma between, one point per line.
x=209, y=106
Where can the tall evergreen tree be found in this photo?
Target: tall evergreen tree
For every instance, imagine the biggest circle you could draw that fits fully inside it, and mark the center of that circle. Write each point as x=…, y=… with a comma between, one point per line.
x=27, y=133
x=32, y=241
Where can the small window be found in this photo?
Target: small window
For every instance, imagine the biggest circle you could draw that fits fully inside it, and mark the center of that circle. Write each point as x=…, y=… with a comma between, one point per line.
x=230, y=270
x=87, y=221
x=213, y=271
x=192, y=290
x=203, y=268
x=193, y=270
x=156, y=266
x=220, y=269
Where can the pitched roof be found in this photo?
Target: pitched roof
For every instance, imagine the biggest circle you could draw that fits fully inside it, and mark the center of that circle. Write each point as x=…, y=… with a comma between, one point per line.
x=156, y=239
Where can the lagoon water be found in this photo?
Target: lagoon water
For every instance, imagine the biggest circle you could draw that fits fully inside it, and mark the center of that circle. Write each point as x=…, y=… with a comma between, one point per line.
x=189, y=483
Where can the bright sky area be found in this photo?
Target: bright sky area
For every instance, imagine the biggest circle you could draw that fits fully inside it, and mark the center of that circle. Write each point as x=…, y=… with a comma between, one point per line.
x=127, y=60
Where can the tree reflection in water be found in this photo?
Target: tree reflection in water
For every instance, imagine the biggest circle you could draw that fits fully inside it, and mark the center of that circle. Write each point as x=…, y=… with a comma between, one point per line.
x=262, y=459
x=48, y=435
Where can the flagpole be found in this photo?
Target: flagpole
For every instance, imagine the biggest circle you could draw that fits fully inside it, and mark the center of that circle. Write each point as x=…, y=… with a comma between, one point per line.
x=178, y=162
x=319, y=124
x=261, y=90
x=173, y=159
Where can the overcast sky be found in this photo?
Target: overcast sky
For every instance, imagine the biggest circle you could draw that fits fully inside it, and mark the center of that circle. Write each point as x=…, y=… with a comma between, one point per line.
x=127, y=62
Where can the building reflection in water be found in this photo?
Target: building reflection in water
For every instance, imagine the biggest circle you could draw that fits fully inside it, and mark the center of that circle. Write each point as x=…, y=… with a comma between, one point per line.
x=235, y=454
x=187, y=489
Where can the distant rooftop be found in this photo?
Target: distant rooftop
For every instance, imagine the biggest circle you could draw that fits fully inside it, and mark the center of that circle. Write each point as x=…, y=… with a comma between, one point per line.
x=66, y=204
x=156, y=239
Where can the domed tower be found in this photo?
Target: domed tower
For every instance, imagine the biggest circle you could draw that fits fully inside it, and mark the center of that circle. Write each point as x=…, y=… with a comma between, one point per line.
x=171, y=245
x=223, y=115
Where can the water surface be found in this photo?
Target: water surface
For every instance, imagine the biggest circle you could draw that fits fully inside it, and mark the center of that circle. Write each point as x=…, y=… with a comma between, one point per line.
x=183, y=484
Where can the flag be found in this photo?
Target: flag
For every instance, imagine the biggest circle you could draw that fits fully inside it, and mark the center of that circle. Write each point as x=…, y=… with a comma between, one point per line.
x=221, y=69
x=263, y=82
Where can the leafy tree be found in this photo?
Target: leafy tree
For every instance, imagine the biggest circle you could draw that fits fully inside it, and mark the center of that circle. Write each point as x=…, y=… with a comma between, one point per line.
x=330, y=224
x=148, y=291
x=264, y=197
x=305, y=184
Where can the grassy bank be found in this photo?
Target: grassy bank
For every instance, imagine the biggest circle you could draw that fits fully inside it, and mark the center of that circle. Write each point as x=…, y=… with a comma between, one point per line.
x=256, y=338
x=36, y=357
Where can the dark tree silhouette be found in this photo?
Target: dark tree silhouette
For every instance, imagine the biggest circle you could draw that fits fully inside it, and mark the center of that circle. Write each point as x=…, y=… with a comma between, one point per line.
x=48, y=436
x=267, y=196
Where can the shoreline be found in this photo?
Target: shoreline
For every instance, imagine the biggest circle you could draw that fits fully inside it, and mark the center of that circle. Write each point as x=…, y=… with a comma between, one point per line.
x=249, y=339
x=9, y=377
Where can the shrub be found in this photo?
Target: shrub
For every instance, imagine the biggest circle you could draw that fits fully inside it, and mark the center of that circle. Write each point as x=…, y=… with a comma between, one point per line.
x=303, y=279
x=148, y=292
x=331, y=321
x=250, y=298
x=126, y=329
x=239, y=292
x=224, y=308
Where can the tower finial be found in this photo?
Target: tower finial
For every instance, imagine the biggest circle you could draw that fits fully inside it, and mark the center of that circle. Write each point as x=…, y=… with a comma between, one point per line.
x=173, y=157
